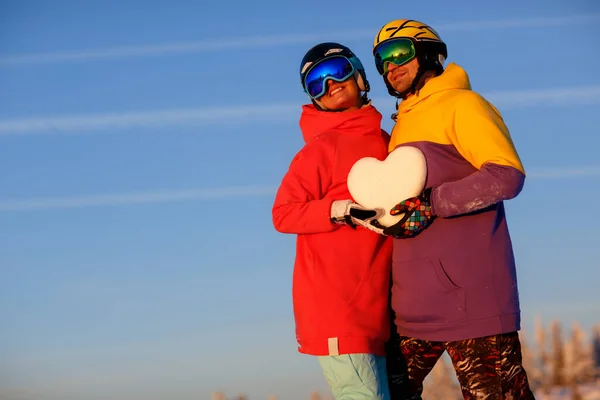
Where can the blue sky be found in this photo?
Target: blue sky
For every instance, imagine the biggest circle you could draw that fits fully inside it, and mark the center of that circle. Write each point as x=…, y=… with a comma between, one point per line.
x=142, y=143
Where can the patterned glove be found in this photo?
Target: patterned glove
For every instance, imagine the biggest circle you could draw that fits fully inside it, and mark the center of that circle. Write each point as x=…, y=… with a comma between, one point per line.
x=417, y=216
x=353, y=214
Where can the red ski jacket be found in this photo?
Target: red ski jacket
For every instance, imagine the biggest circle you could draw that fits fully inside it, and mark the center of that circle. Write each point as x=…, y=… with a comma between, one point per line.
x=341, y=275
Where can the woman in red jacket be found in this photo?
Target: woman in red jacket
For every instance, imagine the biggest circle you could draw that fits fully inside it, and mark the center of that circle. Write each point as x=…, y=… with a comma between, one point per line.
x=341, y=272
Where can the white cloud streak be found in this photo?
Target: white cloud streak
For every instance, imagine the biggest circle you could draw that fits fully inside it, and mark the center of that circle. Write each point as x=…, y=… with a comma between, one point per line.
x=164, y=196
x=218, y=44
x=565, y=172
x=218, y=193
x=264, y=113
x=576, y=95
x=143, y=119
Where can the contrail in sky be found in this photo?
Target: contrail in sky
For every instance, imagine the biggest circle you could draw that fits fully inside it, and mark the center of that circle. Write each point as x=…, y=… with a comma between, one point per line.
x=217, y=193
x=565, y=172
x=217, y=44
x=264, y=113
x=125, y=199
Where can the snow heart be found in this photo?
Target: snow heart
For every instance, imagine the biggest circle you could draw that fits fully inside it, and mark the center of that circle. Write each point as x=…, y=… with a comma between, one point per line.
x=383, y=184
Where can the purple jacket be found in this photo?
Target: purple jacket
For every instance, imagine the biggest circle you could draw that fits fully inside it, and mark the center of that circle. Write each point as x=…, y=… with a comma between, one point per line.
x=457, y=279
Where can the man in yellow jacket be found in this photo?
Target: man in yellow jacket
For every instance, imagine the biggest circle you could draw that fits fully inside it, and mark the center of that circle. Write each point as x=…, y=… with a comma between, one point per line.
x=454, y=279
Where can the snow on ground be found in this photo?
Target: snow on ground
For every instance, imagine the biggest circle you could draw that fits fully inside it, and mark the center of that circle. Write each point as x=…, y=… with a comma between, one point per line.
x=586, y=392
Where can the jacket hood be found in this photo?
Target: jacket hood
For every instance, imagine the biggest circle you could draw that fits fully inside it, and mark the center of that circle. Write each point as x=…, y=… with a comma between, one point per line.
x=453, y=77
x=364, y=121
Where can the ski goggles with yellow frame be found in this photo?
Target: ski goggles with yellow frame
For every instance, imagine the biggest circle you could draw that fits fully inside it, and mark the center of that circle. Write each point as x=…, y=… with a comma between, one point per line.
x=396, y=51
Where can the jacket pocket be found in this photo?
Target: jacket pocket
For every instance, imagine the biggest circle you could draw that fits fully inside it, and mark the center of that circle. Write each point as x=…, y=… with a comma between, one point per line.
x=367, y=312
x=424, y=293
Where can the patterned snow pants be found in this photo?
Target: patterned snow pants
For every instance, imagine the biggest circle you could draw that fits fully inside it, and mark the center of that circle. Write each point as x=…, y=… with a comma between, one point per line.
x=487, y=368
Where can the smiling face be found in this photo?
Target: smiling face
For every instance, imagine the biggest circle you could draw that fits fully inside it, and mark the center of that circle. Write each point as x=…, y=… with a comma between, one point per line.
x=401, y=77
x=342, y=96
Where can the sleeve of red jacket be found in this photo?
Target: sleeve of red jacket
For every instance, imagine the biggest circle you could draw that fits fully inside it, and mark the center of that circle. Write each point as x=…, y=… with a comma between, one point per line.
x=483, y=139
x=300, y=205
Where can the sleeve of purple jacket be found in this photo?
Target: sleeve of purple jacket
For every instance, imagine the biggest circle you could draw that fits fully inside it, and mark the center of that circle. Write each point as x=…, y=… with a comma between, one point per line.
x=483, y=139
x=491, y=184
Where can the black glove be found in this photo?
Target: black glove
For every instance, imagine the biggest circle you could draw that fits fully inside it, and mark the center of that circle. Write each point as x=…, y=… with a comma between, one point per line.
x=353, y=215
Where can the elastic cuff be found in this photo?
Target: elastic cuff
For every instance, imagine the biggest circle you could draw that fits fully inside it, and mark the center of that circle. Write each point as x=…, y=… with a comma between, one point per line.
x=432, y=201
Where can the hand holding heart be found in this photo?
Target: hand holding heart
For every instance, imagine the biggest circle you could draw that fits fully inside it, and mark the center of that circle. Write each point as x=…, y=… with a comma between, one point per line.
x=383, y=184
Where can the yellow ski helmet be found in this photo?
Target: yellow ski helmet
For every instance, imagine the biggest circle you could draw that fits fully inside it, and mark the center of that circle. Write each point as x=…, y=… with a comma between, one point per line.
x=416, y=40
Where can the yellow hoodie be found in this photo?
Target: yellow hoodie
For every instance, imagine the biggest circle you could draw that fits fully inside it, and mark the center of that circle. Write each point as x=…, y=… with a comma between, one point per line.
x=447, y=111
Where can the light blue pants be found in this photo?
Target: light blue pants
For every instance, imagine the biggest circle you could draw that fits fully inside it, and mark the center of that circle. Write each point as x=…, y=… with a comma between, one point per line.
x=356, y=376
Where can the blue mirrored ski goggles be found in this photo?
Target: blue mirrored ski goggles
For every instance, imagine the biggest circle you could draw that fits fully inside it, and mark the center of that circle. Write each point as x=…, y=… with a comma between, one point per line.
x=338, y=68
